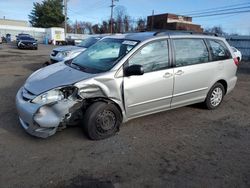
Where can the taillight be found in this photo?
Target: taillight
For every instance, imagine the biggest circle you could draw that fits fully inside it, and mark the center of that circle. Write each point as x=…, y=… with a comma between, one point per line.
x=236, y=61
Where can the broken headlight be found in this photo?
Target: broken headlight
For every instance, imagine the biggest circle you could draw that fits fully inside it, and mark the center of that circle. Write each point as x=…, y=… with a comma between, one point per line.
x=49, y=97
x=63, y=54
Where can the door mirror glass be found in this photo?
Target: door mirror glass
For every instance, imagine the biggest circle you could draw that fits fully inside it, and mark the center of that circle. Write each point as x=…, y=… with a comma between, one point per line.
x=221, y=54
x=134, y=70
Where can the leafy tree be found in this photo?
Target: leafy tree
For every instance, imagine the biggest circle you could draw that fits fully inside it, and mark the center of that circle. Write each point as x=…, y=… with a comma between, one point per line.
x=48, y=13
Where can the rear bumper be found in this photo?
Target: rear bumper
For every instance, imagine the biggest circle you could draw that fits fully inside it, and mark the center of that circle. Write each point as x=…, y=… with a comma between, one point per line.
x=231, y=84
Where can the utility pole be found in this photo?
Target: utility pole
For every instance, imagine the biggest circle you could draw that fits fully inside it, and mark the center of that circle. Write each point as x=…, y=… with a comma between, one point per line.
x=111, y=16
x=65, y=16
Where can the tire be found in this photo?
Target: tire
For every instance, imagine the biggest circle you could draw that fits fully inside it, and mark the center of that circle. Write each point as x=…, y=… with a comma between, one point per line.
x=215, y=96
x=101, y=120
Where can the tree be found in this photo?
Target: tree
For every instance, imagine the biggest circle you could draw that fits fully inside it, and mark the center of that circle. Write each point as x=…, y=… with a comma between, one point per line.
x=126, y=23
x=49, y=13
x=216, y=29
x=141, y=24
x=119, y=16
x=105, y=27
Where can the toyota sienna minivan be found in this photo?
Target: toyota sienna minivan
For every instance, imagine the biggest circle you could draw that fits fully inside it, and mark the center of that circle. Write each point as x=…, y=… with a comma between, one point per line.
x=124, y=77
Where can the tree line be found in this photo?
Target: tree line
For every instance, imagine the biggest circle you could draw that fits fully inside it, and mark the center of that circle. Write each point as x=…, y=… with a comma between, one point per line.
x=49, y=13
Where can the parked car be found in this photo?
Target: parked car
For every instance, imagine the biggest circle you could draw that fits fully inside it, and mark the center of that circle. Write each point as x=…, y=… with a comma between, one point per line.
x=26, y=42
x=65, y=53
x=237, y=53
x=19, y=35
x=3, y=39
x=123, y=77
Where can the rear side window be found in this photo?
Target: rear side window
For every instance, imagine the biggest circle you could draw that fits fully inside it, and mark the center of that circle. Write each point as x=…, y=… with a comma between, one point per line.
x=190, y=52
x=153, y=56
x=219, y=50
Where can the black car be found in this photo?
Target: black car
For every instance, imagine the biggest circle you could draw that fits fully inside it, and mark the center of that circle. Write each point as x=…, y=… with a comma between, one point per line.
x=27, y=42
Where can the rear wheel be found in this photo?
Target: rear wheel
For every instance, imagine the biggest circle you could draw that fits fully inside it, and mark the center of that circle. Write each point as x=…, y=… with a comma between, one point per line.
x=101, y=120
x=215, y=96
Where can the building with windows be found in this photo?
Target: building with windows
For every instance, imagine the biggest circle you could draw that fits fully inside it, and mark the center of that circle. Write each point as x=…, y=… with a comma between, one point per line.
x=172, y=22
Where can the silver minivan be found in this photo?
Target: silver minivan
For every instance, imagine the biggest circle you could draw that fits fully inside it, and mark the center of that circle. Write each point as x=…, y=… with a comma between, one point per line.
x=124, y=77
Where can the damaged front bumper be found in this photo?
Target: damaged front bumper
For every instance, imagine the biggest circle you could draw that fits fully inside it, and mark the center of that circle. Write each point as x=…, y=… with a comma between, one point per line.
x=42, y=120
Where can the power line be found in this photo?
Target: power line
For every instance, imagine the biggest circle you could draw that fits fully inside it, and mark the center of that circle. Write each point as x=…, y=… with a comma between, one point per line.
x=221, y=10
x=216, y=14
x=219, y=17
x=215, y=8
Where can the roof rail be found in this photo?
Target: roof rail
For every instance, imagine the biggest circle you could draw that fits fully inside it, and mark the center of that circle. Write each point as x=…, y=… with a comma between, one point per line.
x=176, y=32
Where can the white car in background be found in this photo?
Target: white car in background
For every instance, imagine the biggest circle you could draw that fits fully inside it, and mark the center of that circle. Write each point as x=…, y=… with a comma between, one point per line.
x=69, y=52
x=237, y=53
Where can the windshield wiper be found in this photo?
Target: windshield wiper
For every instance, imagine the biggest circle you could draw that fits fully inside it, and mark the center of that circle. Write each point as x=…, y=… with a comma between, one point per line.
x=79, y=67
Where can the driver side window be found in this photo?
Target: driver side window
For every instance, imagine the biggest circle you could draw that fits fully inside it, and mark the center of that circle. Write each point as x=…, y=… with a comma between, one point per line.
x=153, y=56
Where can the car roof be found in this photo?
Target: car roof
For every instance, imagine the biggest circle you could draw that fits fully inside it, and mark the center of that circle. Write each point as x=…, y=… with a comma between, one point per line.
x=20, y=34
x=142, y=36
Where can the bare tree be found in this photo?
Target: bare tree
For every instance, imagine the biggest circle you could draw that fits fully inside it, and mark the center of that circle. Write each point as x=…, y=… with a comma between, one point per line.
x=105, y=27
x=119, y=19
x=126, y=22
x=121, y=23
x=141, y=24
x=217, y=30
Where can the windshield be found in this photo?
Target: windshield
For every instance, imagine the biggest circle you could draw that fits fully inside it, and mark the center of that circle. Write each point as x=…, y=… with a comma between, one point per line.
x=103, y=55
x=26, y=38
x=89, y=42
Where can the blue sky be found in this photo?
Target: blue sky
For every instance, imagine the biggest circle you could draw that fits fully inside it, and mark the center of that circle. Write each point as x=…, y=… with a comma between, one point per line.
x=97, y=10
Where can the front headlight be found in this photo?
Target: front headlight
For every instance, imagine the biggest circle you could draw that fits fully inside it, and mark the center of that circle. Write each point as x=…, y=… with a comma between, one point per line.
x=63, y=54
x=49, y=97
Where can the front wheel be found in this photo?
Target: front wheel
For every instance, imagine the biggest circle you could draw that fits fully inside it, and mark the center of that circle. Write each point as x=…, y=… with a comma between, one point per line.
x=101, y=120
x=215, y=96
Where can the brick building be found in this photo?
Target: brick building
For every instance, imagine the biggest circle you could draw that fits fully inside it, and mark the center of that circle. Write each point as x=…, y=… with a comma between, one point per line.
x=172, y=22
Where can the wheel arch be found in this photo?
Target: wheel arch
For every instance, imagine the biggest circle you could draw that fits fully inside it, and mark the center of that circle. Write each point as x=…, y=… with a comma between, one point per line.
x=90, y=101
x=224, y=83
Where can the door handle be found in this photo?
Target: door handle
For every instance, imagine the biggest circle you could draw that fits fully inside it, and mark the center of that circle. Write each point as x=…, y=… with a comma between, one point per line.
x=179, y=72
x=167, y=75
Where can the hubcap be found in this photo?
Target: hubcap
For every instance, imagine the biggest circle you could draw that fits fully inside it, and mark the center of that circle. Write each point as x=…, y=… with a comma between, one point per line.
x=105, y=121
x=216, y=96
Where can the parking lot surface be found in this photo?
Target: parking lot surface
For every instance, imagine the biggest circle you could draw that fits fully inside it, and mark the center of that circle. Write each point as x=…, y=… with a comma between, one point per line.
x=184, y=147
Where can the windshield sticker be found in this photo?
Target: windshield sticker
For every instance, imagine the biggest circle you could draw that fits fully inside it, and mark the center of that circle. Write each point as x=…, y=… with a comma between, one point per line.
x=129, y=42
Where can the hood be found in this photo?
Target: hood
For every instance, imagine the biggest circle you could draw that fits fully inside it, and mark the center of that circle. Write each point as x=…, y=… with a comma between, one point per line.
x=54, y=76
x=68, y=48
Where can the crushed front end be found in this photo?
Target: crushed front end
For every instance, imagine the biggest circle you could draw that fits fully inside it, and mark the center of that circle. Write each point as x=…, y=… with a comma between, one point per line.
x=43, y=115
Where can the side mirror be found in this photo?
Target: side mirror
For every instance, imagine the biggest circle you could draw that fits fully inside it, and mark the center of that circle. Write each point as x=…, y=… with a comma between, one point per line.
x=221, y=54
x=134, y=70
